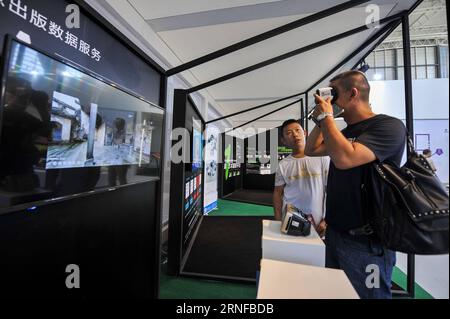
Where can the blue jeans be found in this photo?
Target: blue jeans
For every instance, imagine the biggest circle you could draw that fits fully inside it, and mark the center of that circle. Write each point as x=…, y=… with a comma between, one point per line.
x=353, y=254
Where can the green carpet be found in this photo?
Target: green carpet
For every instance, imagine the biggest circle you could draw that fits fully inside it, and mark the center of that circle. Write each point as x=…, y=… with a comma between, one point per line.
x=188, y=288
x=232, y=208
x=399, y=277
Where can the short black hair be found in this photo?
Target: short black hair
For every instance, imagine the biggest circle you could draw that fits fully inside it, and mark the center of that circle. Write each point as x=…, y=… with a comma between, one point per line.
x=286, y=123
x=354, y=79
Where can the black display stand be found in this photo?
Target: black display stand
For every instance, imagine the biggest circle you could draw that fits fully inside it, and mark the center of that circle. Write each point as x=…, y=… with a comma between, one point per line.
x=112, y=235
x=184, y=222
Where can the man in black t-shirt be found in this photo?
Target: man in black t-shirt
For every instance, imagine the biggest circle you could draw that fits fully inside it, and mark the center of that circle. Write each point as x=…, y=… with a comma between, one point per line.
x=368, y=137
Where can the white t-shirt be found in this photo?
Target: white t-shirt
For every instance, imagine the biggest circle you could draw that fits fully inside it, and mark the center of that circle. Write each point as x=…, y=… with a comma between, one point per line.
x=305, y=181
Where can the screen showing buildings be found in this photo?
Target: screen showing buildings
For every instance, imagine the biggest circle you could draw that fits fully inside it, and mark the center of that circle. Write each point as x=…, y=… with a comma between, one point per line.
x=71, y=119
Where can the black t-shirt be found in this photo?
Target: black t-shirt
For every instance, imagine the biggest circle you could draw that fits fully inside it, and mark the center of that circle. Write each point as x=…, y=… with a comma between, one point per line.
x=385, y=136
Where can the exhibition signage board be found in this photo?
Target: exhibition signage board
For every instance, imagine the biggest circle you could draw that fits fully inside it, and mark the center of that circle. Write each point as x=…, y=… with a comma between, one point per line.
x=64, y=29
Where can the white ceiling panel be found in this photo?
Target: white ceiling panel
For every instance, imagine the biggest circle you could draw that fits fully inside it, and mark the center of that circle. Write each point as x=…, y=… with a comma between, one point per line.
x=193, y=28
x=236, y=107
x=156, y=9
x=290, y=76
x=192, y=43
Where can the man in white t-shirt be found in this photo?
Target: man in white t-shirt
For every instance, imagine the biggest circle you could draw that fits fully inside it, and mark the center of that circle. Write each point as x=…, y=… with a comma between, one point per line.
x=300, y=180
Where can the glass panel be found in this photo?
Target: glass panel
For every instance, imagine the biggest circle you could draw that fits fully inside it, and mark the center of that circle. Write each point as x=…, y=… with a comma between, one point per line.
x=390, y=74
x=420, y=56
x=431, y=72
x=378, y=75
x=443, y=61
x=431, y=55
x=400, y=73
x=429, y=102
x=390, y=57
x=379, y=58
x=421, y=73
x=400, y=57
x=370, y=73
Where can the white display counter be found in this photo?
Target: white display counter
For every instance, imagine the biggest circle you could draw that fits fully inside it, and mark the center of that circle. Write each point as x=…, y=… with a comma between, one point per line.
x=302, y=250
x=282, y=280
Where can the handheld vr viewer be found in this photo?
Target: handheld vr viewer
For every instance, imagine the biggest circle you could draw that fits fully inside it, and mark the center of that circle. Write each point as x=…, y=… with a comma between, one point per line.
x=325, y=93
x=295, y=222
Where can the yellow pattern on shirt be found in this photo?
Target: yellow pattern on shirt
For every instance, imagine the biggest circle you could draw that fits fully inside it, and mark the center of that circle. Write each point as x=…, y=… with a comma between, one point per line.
x=305, y=174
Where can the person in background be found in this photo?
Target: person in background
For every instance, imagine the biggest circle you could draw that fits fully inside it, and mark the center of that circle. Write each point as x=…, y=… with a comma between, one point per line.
x=300, y=180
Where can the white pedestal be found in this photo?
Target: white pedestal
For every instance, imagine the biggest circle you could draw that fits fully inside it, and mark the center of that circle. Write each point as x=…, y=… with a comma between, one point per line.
x=302, y=250
x=282, y=280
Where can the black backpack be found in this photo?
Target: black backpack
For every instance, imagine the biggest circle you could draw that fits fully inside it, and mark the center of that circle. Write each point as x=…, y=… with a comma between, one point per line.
x=407, y=208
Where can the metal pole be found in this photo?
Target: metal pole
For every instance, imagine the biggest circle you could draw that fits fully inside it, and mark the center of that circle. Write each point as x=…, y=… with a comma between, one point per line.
x=306, y=118
x=302, y=114
x=410, y=125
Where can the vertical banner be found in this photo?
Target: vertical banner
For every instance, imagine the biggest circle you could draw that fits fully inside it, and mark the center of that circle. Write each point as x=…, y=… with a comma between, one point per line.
x=211, y=162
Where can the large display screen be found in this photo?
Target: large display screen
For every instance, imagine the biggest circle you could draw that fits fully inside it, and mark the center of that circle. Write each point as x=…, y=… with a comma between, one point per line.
x=58, y=118
x=193, y=173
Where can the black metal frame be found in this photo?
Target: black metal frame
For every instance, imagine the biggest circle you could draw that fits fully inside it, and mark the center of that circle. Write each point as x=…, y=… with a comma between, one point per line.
x=89, y=12
x=253, y=108
x=266, y=114
x=264, y=36
x=410, y=289
x=289, y=54
x=389, y=28
x=393, y=22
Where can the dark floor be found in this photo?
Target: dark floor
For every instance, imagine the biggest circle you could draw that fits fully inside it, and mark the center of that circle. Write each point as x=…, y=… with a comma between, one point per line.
x=259, y=197
x=224, y=239
x=227, y=246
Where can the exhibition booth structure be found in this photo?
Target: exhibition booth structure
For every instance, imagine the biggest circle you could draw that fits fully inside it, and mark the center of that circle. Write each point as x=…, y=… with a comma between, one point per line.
x=249, y=176
x=82, y=136
x=187, y=174
x=82, y=116
x=216, y=244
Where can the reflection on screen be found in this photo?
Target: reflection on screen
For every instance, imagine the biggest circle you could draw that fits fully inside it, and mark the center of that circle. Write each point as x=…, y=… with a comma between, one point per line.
x=90, y=123
x=65, y=132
